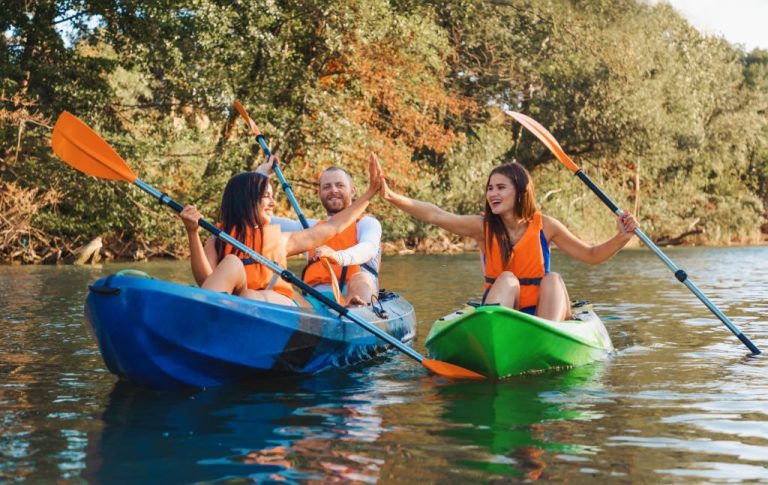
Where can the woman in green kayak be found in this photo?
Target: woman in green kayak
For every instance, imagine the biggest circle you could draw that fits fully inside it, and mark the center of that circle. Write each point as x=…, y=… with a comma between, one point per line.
x=515, y=237
x=246, y=211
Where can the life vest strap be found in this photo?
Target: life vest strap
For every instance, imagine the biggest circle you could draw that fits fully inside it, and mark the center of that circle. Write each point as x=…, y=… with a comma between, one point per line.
x=275, y=277
x=370, y=269
x=273, y=281
x=523, y=281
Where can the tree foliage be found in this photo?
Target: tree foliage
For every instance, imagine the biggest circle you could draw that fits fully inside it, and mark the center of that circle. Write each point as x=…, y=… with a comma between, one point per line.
x=672, y=123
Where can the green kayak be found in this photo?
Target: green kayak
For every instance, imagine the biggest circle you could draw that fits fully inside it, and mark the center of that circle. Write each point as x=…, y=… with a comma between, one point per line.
x=499, y=342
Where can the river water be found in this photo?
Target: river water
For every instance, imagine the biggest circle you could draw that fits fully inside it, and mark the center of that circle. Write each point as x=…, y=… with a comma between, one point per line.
x=680, y=401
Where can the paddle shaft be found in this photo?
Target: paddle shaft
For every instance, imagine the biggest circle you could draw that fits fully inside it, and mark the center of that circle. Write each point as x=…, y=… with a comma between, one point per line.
x=284, y=183
x=680, y=274
x=284, y=273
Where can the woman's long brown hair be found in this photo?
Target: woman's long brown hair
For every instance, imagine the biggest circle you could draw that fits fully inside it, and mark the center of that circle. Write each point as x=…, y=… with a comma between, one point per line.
x=525, y=206
x=239, y=207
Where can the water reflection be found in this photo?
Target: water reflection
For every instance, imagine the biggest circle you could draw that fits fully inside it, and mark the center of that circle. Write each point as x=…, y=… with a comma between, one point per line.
x=511, y=422
x=679, y=402
x=280, y=430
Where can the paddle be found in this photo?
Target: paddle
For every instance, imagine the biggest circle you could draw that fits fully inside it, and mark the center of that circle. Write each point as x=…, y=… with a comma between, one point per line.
x=334, y=282
x=550, y=142
x=275, y=166
x=86, y=151
x=287, y=187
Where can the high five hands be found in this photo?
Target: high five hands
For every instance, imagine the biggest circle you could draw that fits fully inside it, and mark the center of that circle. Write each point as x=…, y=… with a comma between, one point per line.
x=384, y=191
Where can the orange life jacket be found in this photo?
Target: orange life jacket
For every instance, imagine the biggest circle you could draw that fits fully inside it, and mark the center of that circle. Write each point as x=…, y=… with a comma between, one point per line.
x=271, y=246
x=529, y=261
x=315, y=274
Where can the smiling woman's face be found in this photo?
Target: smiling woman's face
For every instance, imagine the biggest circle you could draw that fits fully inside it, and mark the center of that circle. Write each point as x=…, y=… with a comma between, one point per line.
x=500, y=194
x=266, y=205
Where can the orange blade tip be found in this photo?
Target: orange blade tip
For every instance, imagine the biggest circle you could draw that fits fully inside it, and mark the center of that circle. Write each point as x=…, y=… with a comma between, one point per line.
x=545, y=137
x=240, y=109
x=451, y=371
x=249, y=121
x=82, y=148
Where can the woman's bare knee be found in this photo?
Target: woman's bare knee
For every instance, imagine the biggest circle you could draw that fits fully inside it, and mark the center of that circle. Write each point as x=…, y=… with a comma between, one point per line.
x=507, y=279
x=505, y=290
x=554, y=303
x=228, y=275
x=552, y=279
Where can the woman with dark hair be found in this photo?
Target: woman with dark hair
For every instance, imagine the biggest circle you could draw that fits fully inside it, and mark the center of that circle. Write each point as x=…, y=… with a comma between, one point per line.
x=246, y=210
x=514, y=238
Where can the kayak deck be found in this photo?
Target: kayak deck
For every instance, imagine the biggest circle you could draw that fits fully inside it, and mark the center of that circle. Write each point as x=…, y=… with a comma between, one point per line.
x=499, y=342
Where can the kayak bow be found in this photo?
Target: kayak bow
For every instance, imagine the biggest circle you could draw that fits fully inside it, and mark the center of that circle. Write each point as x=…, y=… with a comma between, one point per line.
x=500, y=342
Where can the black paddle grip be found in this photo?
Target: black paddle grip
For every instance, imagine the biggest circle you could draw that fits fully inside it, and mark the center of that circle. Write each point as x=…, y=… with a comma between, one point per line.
x=584, y=178
x=209, y=227
x=752, y=347
x=681, y=275
x=164, y=199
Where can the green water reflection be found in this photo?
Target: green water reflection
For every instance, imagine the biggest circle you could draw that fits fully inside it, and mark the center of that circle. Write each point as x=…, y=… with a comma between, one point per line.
x=511, y=420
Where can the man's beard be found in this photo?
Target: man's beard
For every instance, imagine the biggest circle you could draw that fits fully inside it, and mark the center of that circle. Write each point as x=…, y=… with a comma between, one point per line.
x=332, y=210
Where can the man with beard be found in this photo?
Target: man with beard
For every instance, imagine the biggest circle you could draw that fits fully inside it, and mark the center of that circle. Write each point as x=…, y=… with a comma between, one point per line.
x=354, y=254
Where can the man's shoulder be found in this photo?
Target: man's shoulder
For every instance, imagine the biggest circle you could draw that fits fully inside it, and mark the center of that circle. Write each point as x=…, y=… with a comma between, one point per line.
x=369, y=219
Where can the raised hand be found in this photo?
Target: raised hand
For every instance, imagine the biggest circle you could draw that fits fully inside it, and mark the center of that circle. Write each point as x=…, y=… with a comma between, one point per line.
x=267, y=167
x=374, y=174
x=384, y=190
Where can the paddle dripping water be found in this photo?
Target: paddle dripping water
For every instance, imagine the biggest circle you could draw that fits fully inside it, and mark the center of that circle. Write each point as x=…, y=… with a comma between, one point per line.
x=678, y=402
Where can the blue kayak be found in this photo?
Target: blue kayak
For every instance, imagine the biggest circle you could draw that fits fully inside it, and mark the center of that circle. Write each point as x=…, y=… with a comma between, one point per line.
x=163, y=335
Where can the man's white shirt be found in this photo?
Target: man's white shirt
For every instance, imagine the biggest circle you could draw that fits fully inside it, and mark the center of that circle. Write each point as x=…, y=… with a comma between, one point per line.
x=366, y=251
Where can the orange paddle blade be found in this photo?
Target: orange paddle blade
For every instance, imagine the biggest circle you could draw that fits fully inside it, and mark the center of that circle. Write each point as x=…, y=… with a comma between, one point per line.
x=82, y=148
x=451, y=371
x=546, y=138
x=252, y=124
x=334, y=282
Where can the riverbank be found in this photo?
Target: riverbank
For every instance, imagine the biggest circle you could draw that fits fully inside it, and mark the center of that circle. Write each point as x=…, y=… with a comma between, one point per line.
x=99, y=250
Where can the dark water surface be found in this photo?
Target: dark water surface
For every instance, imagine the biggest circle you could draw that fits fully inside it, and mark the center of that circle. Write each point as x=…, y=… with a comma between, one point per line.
x=679, y=402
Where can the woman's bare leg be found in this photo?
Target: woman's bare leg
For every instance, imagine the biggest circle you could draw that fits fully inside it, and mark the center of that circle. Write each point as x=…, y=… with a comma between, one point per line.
x=270, y=296
x=228, y=276
x=505, y=291
x=554, y=303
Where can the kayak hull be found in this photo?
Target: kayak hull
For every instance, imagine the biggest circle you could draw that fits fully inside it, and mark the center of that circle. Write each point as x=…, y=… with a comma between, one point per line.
x=499, y=342
x=162, y=335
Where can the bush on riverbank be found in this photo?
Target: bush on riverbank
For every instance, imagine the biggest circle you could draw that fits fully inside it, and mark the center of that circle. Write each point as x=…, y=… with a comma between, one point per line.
x=671, y=123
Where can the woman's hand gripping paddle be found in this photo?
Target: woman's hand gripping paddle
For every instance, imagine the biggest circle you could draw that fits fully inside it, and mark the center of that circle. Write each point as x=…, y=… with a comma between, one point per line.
x=275, y=166
x=86, y=151
x=551, y=143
